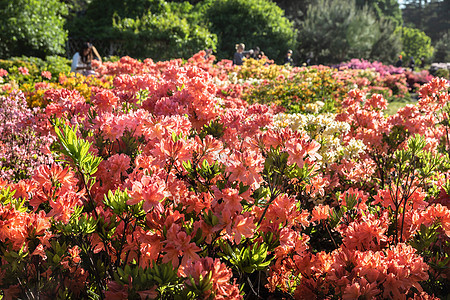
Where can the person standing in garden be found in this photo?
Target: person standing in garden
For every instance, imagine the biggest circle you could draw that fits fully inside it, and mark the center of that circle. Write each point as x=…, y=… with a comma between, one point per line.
x=412, y=63
x=422, y=62
x=238, y=57
x=257, y=53
x=399, y=62
x=208, y=53
x=288, y=58
x=82, y=60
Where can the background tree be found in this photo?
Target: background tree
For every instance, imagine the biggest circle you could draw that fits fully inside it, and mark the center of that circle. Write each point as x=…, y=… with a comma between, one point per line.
x=32, y=27
x=415, y=43
x=96, y=21
x=295, y=10
x=384, y=9
x=176, y=31
x=334, y=31
x=442, y=49
x=252, y=22
x=144, y=28
x=430, y=16
x=388, y=44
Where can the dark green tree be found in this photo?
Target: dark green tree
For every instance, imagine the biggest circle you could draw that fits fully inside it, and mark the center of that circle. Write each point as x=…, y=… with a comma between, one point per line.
x=97, y=19
x=335, y=31
x=384, y=9
x=388, y=44
x=32, y=27
x=252, y=22
x=430, y=16
x=442, y=49
x=174, y=32
x=295, y=10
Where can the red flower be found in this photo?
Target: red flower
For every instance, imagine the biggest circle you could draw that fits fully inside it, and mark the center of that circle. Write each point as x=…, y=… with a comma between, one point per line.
x=320, y=212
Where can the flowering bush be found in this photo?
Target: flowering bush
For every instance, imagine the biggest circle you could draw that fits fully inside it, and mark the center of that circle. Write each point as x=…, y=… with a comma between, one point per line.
x=362, y=64
x=33, y=69
x=390, y=76
x=300, y=88
x=22, y=147
x=165, y=187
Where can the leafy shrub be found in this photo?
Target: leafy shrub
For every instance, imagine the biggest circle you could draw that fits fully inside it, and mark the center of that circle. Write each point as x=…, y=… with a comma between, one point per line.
x=252, y=22
x=174, y=29
x=22, y=146
x=442, y=49
x=415, y=43
x=162, y=189
x=35, y=66
x=445, y=73
x=306, y=90
x=32, y=28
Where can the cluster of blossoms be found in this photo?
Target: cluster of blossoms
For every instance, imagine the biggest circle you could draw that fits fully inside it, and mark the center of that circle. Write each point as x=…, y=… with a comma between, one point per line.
x=362, y=64
x=328, y=132
x=389, y=73
x=22, y=147
x=168, y=186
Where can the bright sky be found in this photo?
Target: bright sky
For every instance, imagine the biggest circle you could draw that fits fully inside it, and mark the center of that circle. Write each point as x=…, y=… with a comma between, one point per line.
x=401, y=2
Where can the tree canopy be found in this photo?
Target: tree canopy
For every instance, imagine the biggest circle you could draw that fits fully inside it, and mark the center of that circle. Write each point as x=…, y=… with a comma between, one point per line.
x=323, y=31
x=176, y=28
x=416, y=43
x=335, y=31
x=384, y=9
x=32, y=27
x=431, y=16
x=252, y=22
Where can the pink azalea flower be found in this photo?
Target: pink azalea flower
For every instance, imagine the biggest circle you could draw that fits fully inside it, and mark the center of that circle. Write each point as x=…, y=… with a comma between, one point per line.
x=150, y=189
x=23, y=70
x=46, y=74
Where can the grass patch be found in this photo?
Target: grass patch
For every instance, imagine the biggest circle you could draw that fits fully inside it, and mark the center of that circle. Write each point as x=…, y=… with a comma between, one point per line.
x=394, y=106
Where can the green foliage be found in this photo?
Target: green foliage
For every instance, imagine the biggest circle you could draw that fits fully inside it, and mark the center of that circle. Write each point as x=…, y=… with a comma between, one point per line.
x=162, y=276
x=176, y=29
x=415, y=43
x=384, y=9
x=96, y=20
x=32, y=27
x=54, y=64
x=442, y=49
x=307, y=88
x=214, y=128
x=247, y=259
x=145, y=27
x=337, y=214
x=117, y=202
x=412, y=167
x=429, y=245
x=335, y=31
x=79, y=224
x=388, y=44
x=428, y=16
x=200, y=175
x=6, y=198
x=57, y=64
x=77, y=151
x=252, y=22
